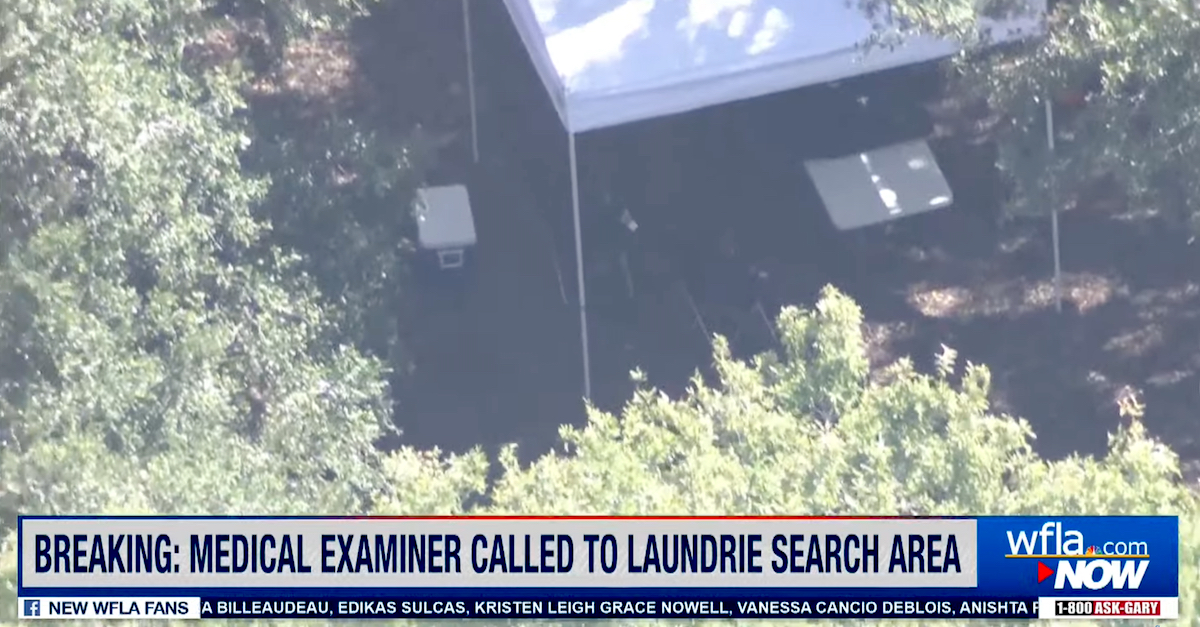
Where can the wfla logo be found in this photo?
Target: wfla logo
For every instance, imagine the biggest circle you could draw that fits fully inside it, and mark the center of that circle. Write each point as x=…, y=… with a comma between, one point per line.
x=31, y=608
x=1113, y=565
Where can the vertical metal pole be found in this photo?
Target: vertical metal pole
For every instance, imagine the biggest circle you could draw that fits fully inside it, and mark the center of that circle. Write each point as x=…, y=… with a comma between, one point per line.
x=466, y=11
x=1058, y=297
x=583, y=324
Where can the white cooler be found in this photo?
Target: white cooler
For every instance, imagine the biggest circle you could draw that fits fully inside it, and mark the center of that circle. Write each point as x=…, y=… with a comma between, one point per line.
x=445, y=226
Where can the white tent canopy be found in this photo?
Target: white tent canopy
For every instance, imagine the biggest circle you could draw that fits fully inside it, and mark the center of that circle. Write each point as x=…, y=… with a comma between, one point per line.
x=608, y=62
x=611, y=62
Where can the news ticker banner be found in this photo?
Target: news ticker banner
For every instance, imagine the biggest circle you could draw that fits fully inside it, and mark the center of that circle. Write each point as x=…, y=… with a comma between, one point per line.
x=575, y=567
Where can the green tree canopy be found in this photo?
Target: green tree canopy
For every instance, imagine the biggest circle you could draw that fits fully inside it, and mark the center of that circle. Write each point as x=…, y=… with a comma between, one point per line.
x=811, y=432
x=1122, y=75
x=158, y=353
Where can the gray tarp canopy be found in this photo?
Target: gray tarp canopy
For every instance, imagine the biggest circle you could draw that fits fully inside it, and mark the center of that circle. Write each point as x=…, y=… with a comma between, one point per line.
x=610, y=62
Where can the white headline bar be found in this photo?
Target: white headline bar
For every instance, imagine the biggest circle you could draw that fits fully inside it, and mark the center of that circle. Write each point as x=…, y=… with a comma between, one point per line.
x=481, y=553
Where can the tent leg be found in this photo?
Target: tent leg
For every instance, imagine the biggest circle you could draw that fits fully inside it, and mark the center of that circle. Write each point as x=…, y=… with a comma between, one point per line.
x=466, y=11
x=1058, y=295
x=696, y=312
x=766, y=320
x=583, y=324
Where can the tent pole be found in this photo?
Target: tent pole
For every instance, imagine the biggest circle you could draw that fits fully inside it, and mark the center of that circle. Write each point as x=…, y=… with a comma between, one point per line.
x=466, y=11
x=1058, y=296
x=583, y=324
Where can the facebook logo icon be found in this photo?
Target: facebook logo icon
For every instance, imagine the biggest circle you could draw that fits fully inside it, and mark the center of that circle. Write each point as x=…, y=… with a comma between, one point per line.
x=33, y=608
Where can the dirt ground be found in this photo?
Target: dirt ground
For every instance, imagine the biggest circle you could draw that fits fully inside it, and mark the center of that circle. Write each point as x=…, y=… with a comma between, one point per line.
x=504, y=364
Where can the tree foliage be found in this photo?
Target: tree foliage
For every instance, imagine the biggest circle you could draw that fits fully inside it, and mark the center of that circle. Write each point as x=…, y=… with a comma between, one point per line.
x=339, y=197
x=1120, y=77
x=806, y=432
x=159, y=352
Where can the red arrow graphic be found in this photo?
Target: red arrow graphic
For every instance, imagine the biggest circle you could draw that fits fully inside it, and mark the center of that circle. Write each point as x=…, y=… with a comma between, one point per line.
x=1044, y=571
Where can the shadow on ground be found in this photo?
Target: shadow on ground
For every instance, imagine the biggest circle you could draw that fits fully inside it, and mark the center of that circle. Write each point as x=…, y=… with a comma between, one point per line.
x=1129, y=322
